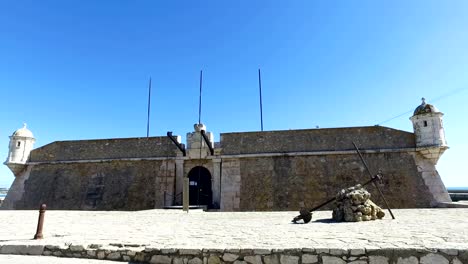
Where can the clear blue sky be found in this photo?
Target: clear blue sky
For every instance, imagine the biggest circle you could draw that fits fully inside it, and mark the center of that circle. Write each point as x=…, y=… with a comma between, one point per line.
x=80, y=69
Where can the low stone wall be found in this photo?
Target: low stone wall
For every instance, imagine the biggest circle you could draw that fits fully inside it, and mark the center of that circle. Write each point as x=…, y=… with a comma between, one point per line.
x=138, y=253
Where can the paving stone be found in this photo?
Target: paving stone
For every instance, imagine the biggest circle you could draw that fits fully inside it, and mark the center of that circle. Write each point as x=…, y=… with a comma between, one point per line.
x=434, y=259
x=332, y=260
x=378, y=260
x=160, y=259
x=309, y=259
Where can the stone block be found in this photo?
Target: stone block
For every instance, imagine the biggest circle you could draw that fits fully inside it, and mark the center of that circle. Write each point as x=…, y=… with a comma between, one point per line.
x=409, y=260
x=160, y=259
x=253, y=259
x=193, y=252
x=76, y=248
x=178, y=261
x=456, y=261
x=271, y=259
x=168, y=251
x=101, y=254
x=434, y=259
x=126, y=258
x=113, y=256
x=288, y=259
x=239, y=262
x=322, y=250
x=357, y=251
x=230, y=257
x=262, y=251
x=338, y=252
x=195, y=260
x=450, y=251
x=378, y=260
x=358, y=262
x=213, y=260
x=91, y=253
x=22, y=249
x=309, y=259
x=332, y=260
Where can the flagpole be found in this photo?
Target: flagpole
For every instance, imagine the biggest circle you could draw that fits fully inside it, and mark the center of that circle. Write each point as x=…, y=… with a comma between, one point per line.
x=149, y=107
x=261, y=105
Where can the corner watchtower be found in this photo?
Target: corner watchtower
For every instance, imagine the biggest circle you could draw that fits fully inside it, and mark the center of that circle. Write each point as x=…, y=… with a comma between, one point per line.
x=21, y=144
x=429, y=131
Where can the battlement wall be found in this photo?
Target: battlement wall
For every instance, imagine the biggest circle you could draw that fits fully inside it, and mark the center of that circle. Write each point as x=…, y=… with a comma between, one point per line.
x=105, y=149
x=309, y=140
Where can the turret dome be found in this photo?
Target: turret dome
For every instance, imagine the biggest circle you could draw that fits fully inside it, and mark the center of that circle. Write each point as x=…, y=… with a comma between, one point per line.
x=424, y=108
x=23, y=132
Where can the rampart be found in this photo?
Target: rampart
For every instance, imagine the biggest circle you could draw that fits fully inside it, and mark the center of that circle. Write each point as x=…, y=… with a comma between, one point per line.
x=305, y=140
x=105, y=149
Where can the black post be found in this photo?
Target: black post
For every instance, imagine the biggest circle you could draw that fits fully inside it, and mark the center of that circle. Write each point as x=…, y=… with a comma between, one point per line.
x=149, y=106
x=261, y=105
x=200, y=97
x=40, y=222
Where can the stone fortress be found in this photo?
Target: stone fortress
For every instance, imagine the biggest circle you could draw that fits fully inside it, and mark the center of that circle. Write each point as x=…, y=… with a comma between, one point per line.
x=245, y=171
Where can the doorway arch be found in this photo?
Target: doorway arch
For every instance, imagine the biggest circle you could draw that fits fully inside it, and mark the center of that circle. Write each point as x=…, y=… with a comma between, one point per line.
x=200, y=192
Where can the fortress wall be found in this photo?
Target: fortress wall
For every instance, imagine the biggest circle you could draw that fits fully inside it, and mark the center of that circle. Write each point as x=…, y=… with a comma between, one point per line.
x=113, y=185
x=105, y=149
x=375, y=137
x=288, y=183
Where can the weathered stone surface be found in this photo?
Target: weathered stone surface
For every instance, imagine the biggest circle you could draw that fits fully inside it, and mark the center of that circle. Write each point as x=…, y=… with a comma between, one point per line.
x=449, y=251
x=338, y=251
x=192, y=252
x=126, y=258
x=332, y=260
x=262, y=251
x=91, y=253
x=168, y=251
x=22, y=249
x=113, y=256
x=357, y=251
x=271, y=259
x=230, y=257
x=253, y=259
x=456, y=261
x=358, y=262
x=239, y=262
x=409, y=260
x=378, y=260
x=309, y=259
x=353, y=204
x=160, y=259
x=213, y=260
x=434, y=259
x=101, y=254
x=287, y=259
x=77, y=248
x=178, y=261
x=195, y=260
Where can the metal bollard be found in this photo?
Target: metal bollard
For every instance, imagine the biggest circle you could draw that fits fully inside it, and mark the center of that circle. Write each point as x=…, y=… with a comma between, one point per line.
x=40, y=222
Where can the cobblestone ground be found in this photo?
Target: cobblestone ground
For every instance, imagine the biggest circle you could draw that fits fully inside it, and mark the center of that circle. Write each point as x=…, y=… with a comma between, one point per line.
x=416, y=228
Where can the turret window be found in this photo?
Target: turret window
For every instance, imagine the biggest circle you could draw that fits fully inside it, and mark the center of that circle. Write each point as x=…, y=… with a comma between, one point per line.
x=18, y=144
x=425, y=123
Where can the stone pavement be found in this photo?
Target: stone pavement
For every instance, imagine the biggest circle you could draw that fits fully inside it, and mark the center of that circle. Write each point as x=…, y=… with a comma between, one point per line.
x=71, y=233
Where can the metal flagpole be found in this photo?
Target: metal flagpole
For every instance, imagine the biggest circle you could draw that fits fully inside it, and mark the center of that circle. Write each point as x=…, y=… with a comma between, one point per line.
x=200, y=97
x=261, y=106
x=149, y=106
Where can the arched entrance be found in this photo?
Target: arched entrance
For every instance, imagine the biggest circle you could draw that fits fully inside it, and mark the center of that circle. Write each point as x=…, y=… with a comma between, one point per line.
x=200, y=187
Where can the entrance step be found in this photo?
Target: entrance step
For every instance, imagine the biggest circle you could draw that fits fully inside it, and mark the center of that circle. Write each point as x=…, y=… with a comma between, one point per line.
x=191, y=207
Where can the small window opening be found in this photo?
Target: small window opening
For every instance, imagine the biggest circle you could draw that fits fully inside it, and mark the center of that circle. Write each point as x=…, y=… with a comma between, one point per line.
x=18, y=144
x=425, y=123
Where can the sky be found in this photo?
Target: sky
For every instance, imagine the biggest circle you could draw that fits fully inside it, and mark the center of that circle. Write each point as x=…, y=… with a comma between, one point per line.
x=80, y=69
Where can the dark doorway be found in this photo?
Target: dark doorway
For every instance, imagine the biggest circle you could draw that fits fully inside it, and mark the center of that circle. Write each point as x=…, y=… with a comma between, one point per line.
x=200, y=187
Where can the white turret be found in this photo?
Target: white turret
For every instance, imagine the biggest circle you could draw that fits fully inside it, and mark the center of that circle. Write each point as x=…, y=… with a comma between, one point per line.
x=21, y=144
x=429, y=131
x=196, y=146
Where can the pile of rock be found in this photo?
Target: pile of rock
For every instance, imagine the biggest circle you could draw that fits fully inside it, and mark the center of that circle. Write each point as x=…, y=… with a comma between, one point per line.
x=353, y=205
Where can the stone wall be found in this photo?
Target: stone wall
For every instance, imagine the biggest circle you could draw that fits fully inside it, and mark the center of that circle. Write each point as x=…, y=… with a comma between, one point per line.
x=105, y=149
x=291, y=182
x=330, y=139
x=112, y=185
x=140, y=254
